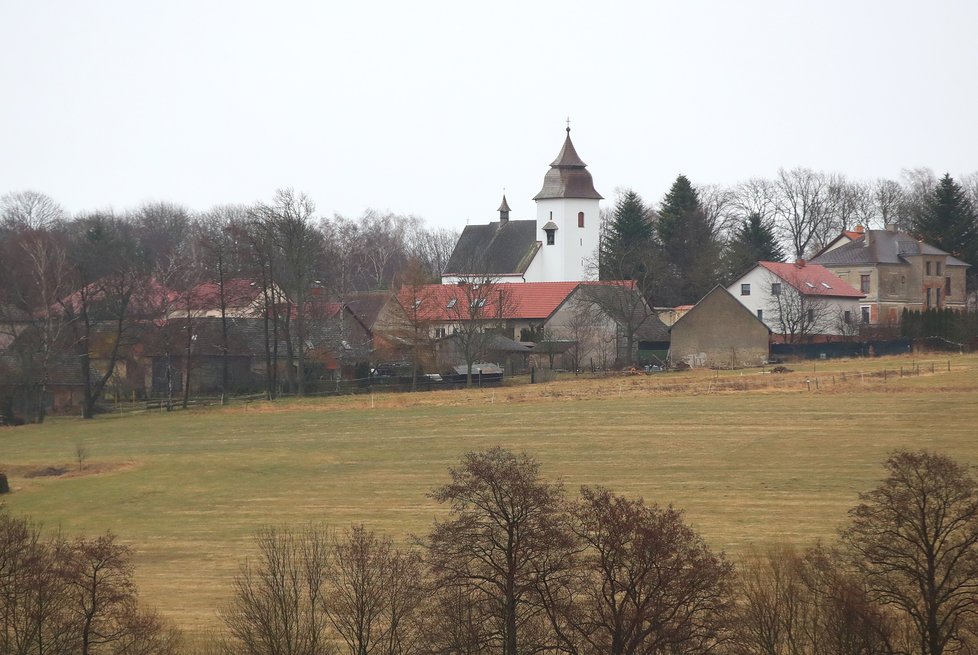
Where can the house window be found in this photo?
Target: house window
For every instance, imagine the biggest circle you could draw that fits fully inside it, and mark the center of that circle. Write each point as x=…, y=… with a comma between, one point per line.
x=580, y=219
x=479, y=302
x=760, y=314
x=550, y=237
x=811, y=315
x=928, y=297
x=847, y=317
x=745, y=289
x=927, y=267
x=864, y=310
x=947, y=287
x=937, y=295
x=451, y=303
x=439, y=333
x=938, y=271
x=775, y=288
x=864, y=283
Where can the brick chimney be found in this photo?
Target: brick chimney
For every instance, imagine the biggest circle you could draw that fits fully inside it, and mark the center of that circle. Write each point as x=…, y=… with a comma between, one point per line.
x=800, y=263
x=859, y=229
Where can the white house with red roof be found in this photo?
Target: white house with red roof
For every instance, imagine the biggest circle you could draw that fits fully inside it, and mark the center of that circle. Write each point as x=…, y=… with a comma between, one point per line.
x=799, y=300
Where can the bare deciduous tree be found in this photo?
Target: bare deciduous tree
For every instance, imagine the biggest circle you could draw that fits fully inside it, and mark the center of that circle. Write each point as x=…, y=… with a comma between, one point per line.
x=914, y=539
x=791, y=602
x=797, y=316
x=299, y=248
x=373, y=592
x=477, y=311
x=647, y=583
x=505, y=537
x=803, y=207
x=29, y=210
x=278, y=596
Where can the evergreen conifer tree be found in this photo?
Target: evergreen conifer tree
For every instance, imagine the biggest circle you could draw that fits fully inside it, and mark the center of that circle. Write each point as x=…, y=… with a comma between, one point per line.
x=689, y=249
x=627, y=239
x=949, y=221
x=753, y=242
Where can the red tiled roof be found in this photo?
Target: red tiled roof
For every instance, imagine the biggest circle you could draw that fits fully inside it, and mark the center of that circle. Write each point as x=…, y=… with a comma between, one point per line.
x=238, y=292
x=526, y=300
x=812, y=279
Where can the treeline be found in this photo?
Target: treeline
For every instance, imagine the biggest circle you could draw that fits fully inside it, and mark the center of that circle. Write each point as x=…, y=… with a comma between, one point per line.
x=69, y=283
x=700, y=236
x=515, y=567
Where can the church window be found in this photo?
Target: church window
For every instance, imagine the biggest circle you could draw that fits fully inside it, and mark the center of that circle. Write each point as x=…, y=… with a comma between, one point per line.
x=580, y=219
x=550, y=237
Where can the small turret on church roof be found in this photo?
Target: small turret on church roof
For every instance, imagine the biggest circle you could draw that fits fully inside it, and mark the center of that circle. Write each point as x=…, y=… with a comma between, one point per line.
x=503, y=210
x=568, y=176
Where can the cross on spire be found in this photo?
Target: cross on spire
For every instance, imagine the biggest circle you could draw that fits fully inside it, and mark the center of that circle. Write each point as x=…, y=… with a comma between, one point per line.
x=568, y=124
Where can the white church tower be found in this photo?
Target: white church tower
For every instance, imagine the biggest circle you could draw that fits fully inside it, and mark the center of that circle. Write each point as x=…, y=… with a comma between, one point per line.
x=568, y=225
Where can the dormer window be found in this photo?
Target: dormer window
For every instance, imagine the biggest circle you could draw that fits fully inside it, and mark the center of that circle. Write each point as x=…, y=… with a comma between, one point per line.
x=451, y=303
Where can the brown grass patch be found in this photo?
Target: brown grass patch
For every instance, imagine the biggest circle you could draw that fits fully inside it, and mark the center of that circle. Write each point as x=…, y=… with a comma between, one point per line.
x=32, y=471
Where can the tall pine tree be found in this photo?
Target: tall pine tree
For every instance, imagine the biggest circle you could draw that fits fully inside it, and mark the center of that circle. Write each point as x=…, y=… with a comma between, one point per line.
x=949, y=221
x=689, y=249
x=627, y=239
x=753, y=242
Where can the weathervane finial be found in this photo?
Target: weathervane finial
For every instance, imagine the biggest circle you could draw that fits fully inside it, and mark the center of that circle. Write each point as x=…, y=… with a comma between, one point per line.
x=568, y=124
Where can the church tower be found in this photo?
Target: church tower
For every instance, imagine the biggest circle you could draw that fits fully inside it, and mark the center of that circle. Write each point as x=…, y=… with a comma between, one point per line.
x=567, y=217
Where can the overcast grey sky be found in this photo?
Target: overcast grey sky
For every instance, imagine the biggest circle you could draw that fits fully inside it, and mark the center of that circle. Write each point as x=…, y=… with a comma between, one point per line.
x=432, y=108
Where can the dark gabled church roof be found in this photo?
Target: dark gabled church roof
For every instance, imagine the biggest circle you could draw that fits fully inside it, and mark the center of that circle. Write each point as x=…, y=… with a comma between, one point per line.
x=882, y=247
x=568, y=176
x=499, y=248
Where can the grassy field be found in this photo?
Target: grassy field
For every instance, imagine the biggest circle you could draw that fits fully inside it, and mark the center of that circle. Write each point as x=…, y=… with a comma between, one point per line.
x=751, y=457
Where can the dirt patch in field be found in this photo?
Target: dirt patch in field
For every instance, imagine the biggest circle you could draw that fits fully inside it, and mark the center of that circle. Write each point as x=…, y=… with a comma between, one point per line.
x=31, y=471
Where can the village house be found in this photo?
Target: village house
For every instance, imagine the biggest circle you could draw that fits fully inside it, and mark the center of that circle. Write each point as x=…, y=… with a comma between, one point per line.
x=894, y=271
x=531, y=312
x=799, y=301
